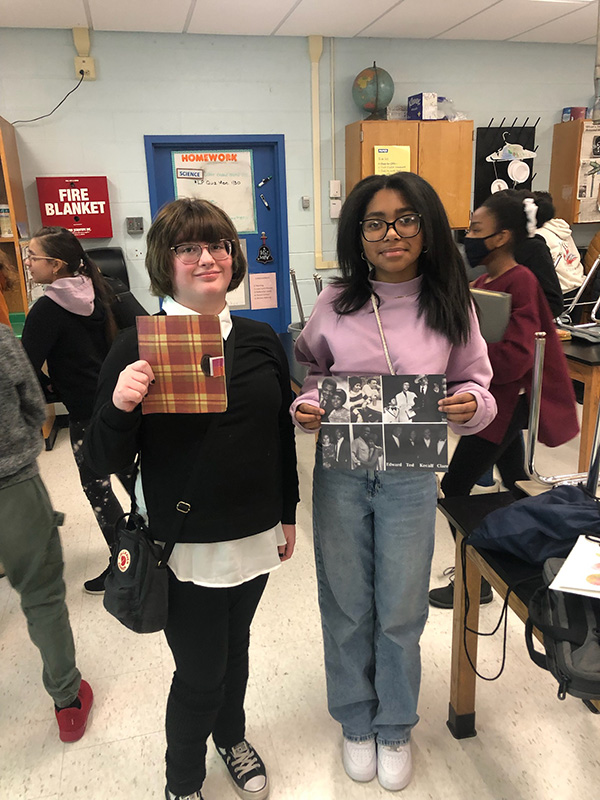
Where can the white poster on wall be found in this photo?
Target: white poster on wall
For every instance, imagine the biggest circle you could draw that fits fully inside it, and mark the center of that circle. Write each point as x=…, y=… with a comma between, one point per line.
x=225, y=177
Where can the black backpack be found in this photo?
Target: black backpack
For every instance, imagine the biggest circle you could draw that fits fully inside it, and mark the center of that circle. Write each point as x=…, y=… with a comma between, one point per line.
x=570, y=624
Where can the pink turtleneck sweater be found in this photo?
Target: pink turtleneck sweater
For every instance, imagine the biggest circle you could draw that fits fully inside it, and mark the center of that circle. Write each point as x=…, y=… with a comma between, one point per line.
x=331, y=344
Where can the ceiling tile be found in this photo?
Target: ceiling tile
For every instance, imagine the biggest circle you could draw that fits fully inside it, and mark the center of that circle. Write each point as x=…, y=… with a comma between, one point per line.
x=415, y=19
x=139, y=15
x=573, y=28
x=333, y=17
x=256, y=18
x=507, y=19
x=42, y=14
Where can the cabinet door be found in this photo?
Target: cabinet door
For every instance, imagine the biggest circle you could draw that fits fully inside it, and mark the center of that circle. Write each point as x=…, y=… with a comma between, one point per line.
x=446, y=161
x=564, y=169
x=376, y=134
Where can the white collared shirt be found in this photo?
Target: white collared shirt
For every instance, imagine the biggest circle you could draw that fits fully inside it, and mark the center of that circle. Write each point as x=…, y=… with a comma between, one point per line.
x=219, y=564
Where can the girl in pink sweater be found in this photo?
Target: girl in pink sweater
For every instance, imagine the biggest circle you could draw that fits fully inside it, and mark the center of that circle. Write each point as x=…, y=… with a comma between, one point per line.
x=401, y=306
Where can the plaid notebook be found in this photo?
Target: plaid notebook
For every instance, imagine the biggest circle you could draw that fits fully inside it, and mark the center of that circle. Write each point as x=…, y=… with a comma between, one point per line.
x=186, y=355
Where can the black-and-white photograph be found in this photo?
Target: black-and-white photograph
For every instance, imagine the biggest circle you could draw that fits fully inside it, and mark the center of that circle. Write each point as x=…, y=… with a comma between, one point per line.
x=416, y=446
x=429, y=390
x=335, y=447
x=383, y=422
x=367, y=447
x=364, y=398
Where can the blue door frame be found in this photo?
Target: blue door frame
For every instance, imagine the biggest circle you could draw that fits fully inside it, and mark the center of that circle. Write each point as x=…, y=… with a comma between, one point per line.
x=269, y=158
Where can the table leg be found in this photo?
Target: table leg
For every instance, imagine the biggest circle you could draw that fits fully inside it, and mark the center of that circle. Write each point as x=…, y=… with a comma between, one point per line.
x=461, y=712
x=591, y=399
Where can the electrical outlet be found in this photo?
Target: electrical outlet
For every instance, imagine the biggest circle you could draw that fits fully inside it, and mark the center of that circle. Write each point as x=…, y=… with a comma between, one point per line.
x=88, y=65
x=136, y=253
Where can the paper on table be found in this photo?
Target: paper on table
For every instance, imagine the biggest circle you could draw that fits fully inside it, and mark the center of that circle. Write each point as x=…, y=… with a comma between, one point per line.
x=580, y=574
x=183, y=351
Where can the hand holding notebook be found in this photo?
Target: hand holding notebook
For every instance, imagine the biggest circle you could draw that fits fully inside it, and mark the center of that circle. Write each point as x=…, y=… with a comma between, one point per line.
x=186, y=356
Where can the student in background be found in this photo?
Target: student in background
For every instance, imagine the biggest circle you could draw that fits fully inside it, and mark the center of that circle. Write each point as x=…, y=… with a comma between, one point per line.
x=557, y=235
x=533, y=253
x=498, y=229
x=30, y=546
x=71, y=327
x=401, y=306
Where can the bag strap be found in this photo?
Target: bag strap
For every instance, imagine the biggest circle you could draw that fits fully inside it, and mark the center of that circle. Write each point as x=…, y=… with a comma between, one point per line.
x=538, y=658
x=183, y=507
x=382, y=335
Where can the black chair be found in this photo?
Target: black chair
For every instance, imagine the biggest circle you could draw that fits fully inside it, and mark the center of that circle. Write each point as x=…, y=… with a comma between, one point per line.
x=111, y=262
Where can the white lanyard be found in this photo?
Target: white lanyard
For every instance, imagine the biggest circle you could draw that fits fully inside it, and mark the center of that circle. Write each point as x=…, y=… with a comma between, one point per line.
x=383, y=341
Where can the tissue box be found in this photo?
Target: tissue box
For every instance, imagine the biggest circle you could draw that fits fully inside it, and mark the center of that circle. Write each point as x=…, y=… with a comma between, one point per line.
x=422, y=106
x=574, y=112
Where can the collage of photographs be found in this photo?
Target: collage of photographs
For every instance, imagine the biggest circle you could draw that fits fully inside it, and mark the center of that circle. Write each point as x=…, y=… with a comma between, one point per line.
x=383, y=422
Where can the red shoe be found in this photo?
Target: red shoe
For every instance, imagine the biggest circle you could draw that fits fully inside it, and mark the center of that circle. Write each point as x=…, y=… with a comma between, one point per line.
x=72, y=721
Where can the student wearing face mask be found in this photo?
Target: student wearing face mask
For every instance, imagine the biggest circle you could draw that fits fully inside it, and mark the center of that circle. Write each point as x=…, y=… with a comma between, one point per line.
x=499, y=228
x=532, y=252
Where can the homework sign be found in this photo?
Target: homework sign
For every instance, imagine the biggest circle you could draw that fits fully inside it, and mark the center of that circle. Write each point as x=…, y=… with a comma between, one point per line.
x=225, y=177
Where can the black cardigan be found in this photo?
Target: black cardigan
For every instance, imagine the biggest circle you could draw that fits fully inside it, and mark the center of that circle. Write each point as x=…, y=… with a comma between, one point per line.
x=248, y=481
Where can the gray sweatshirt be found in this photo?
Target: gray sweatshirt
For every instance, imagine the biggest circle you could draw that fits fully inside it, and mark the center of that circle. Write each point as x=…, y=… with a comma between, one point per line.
x=22, y=412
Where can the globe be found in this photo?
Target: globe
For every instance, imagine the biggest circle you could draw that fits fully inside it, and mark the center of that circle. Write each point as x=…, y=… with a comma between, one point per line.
x=373, y=89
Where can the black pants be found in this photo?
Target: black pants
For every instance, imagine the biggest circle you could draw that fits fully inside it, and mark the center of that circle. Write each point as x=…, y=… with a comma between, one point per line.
x=208, y=632
x=474, y=456
x=97, y=488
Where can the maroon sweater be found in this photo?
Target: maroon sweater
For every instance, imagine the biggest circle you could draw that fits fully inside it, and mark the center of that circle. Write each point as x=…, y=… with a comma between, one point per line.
x=512, y=361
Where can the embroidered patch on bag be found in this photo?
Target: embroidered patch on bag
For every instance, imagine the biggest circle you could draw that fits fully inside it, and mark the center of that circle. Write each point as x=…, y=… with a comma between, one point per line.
x=124, y=560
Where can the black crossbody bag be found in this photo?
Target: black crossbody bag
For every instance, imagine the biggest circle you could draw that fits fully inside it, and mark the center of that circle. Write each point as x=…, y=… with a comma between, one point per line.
x=136, y=589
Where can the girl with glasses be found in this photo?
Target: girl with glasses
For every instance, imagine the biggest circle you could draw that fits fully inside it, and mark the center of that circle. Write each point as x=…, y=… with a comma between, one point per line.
x=71, y=328
x=240, y=525
x=401, y=306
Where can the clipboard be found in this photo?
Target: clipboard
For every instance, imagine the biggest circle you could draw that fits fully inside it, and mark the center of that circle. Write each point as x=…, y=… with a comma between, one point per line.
x=186, y=356
x=494, y=313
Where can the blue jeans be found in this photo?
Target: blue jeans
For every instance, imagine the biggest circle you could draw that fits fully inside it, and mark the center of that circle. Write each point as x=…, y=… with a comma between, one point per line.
x=374, y=535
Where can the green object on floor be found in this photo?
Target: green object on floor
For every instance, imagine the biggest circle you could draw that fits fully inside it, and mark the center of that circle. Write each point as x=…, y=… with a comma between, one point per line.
x=17, y=321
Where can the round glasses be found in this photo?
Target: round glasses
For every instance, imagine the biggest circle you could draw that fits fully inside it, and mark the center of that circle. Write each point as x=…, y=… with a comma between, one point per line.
x=374, y=230
x=192, y=253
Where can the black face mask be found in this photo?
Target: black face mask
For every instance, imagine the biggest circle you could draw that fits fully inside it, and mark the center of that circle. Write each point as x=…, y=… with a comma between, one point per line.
x=475, y=249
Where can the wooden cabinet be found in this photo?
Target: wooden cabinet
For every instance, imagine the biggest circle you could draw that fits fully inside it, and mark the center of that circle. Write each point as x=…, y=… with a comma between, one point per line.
x=11, y=193
x=440, y=151
x=574, y=184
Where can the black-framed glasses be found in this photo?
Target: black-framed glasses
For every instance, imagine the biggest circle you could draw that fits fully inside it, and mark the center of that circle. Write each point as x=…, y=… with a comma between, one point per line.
x=192, y=253
x=374, y=230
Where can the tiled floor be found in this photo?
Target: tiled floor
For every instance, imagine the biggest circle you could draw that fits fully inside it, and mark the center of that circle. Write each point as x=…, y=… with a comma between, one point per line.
x=530, y=745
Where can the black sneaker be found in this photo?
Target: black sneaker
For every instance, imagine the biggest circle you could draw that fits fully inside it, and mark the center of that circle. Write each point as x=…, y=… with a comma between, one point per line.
x=247, y=770
x=96, y=585
x=170, y=796
x=444, y=596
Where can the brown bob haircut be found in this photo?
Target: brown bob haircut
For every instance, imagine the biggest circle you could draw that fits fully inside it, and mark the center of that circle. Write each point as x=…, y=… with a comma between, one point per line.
x=182, y=221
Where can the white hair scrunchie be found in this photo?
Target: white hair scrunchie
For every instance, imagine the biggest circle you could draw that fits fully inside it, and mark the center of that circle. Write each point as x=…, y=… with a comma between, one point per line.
x=531, y=213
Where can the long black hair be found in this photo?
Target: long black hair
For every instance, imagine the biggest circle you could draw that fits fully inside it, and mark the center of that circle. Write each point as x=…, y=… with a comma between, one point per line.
x=61, y=244
x=444, y=299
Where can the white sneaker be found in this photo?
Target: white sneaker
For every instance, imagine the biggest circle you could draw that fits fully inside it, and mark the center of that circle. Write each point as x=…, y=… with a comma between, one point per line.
x=394, y=766
x=360, y=759
x=495, y=487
